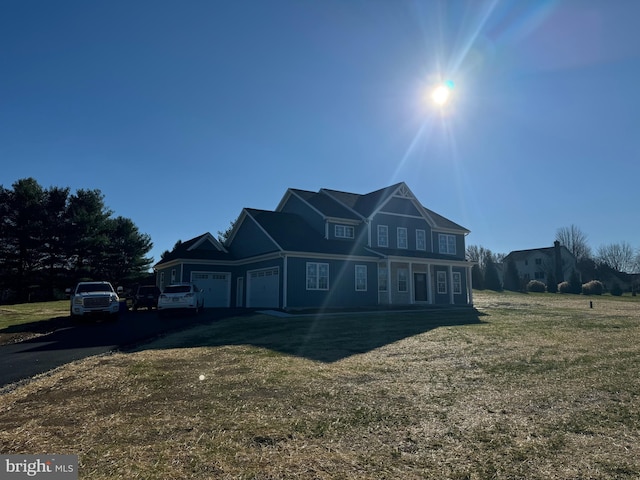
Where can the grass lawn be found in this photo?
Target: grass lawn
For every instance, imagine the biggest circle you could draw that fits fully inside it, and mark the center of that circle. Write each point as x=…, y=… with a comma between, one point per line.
x=18, y=322
x=535, y=386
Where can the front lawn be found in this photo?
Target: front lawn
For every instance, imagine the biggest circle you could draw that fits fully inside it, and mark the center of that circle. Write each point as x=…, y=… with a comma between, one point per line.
x=528, y=386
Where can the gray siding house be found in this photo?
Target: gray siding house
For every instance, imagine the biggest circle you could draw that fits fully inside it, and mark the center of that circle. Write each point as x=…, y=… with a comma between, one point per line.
x=540, y=264
x=329, y=249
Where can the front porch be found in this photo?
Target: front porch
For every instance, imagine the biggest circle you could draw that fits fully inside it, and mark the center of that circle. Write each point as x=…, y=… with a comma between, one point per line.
x=424, y=281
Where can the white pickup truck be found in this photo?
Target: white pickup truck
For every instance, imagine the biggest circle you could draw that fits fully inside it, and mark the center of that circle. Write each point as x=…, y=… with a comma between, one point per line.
x=94, y=298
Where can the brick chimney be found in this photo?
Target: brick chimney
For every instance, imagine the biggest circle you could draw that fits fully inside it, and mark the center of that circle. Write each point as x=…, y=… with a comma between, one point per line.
x=558, y=261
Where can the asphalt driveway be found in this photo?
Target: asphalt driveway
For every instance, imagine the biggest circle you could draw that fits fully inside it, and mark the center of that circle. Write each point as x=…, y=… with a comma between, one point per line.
x=20, y=361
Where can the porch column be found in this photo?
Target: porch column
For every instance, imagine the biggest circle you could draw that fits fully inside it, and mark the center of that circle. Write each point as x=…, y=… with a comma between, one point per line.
x=412, y=288
x=469, y=287
x=389, y=280
x=450, y=274
x=429, y=290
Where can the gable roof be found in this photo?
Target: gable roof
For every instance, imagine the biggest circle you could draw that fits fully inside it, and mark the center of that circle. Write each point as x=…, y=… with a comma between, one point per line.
x=325, y=204
x=292, y=233
x=202, y=247
x=525, y=254
x=365, y=204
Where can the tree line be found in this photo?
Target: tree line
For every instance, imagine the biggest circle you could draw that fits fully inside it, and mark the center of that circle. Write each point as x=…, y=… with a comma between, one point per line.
x=50, y=238
x=619, y=259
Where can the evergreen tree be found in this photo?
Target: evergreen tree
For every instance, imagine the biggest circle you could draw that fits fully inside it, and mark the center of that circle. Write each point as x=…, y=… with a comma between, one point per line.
x=491, y=277
x=512, y=278
x=477, y=278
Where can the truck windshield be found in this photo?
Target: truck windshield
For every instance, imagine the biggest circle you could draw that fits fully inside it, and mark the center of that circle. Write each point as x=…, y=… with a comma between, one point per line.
x=94, y=287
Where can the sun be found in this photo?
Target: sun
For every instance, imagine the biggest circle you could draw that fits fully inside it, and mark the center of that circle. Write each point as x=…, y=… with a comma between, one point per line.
x=441, y=94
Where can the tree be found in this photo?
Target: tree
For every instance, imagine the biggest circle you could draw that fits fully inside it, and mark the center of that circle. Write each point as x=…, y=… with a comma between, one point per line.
x=512, y=278
x=22, y=230
x=491, y=276
x=618, y=256
x=50, y=239
x=575, y=240
x=224, y=236
x=88, y=236
x=477, y=279
x=123, y=259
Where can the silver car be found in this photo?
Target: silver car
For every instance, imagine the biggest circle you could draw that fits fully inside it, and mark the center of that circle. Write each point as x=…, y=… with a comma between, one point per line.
x=181, y=296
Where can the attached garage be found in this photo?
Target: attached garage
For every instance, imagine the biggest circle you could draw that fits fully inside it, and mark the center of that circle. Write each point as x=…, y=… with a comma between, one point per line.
x=216, y=286
x=263, y=288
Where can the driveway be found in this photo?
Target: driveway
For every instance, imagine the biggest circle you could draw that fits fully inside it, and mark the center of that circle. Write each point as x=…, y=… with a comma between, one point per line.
x=23, y=360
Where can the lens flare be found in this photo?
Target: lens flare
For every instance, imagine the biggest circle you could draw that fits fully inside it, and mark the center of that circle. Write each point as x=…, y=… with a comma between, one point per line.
x=442, y=93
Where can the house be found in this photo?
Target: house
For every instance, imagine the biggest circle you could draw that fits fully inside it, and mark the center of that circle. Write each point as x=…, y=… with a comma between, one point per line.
x=329, y=249
x=555, y=262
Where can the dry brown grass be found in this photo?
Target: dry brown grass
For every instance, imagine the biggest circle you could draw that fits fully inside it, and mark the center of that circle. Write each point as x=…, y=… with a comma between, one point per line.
x=544, y=387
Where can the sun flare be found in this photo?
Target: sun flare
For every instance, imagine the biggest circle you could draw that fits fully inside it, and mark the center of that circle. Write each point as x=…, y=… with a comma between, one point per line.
x=442, y=93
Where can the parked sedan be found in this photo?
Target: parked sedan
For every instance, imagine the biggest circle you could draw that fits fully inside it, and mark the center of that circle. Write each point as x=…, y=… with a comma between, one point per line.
x=183, y=296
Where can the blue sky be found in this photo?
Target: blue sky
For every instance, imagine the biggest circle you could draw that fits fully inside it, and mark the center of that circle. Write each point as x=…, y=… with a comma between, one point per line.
x=183, y=113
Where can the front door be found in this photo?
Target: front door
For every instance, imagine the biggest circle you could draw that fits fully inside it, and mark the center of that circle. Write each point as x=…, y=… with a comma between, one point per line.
x=420, y=287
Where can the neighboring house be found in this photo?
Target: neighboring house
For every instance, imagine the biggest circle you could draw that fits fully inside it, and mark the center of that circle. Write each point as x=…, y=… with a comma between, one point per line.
x=329, y=249
x=539, y=263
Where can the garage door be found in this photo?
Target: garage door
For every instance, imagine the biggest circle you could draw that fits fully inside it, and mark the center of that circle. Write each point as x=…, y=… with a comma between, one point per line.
x=216, y=286
x=264, y=288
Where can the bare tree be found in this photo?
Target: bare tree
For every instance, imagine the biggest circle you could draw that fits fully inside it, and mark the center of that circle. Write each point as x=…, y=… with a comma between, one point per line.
x=619, y=256
x=575, y=240
x=480, y=255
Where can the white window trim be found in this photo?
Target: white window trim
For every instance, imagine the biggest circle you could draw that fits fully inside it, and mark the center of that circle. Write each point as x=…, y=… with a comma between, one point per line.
x=424, y=240
x=360, y=267
x=317, y=280
x=446, y=250
x=457, y=283
x=406, y=238
x=384, y=228
x=441, y=283
x=406, y=272
x=349, y=231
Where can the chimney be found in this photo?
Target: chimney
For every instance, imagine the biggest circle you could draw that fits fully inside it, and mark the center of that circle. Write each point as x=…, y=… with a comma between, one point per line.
x=558, y=261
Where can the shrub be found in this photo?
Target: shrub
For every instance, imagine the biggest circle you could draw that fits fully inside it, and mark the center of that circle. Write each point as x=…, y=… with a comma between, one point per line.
x=564, y=287
x=536, y=286
x=616, y=290
x=594, y=287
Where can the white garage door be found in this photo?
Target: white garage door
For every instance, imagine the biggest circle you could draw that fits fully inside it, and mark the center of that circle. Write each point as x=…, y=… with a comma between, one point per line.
x=264, y=288
x=216, y=286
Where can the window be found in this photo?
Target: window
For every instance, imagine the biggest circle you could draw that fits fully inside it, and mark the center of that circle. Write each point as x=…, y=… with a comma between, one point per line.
x=382, y=279
x=403, y=284
x=383, y=236
x=539, y=275
x=173, y=275
x=447, y=243
x=457, y=283
x=361, y=278
x=538, y=261
x=402, y=237
x=442, y=282
x=421, y=240
x=161, y=280
x=317, y=276
x=343, y=231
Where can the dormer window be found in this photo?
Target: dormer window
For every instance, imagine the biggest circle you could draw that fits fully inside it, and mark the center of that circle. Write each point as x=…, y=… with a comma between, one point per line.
x=344, y=231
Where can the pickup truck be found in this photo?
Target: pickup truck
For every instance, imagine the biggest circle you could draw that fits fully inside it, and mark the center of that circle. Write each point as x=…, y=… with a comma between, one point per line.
x=94, y=298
